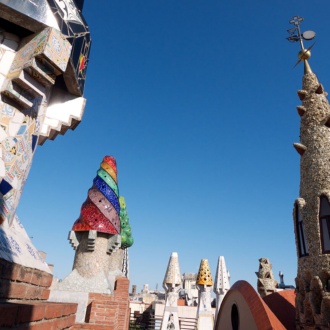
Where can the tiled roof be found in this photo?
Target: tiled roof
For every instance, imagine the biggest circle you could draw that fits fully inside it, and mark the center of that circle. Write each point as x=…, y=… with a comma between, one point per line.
x=282, y=304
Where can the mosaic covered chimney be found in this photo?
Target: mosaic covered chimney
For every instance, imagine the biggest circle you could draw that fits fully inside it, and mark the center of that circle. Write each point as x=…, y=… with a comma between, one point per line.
x=100, y=236
x=266, y=283
x=172, y=284
x=204, y=282
x=312, y=209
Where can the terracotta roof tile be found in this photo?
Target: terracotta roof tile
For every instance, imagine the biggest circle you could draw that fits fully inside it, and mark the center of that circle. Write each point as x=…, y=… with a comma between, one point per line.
x=282, y=304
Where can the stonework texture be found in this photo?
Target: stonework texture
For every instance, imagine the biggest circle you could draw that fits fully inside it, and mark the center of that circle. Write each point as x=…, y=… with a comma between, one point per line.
x=93, y=271
x=312, y=282
x=266, y=283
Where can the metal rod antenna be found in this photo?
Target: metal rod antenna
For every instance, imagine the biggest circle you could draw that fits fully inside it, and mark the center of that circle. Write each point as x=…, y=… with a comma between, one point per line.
x=300, y=37
x=304, y=54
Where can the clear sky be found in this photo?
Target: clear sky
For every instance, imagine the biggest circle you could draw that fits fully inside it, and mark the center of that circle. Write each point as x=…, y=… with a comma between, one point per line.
x=196, y=100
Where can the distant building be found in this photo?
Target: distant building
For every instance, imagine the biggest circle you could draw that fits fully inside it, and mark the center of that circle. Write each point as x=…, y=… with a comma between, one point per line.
x=189, y=290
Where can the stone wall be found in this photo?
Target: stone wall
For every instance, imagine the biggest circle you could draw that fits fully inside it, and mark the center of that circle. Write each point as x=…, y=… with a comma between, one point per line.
x=312, y=282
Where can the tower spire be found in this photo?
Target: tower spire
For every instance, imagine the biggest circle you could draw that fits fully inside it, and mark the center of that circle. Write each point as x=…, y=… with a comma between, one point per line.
x=312, y=207
x=296, y=35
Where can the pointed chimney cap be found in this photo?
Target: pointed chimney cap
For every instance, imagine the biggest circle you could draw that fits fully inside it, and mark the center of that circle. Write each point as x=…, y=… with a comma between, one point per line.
x=173, y=275
x=222, y=276
x=204, y=274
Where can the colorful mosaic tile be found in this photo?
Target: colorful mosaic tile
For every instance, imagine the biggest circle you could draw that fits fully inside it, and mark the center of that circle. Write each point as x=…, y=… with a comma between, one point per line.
x=48, y=45
x=91, y=218
x=105, y=207
x=126, y=232
x=75, y=28
x=101, y=209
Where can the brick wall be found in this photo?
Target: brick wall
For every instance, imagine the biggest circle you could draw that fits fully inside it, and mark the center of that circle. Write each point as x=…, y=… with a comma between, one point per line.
x=107, y=311
x=20, y=282
x=37, y=315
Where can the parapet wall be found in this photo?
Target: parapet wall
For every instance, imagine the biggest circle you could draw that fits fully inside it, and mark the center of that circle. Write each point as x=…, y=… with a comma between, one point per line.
x=108, y=311
x=20, y=282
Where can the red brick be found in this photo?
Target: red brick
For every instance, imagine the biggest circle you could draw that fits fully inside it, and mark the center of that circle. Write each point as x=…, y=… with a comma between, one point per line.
x=36, y=277
x=46, y=280
x=99, y=313
x=38, y=326
x=24, y=274
x=15, y=272
x=44, y=294
x=8, y=314
x=79, y=326
x=16, y=290
x=70, y=309
x=44, y=325
x=53, y=310
x=98, y=310
x=66, y=321
x=30, y=312
x=32, y=291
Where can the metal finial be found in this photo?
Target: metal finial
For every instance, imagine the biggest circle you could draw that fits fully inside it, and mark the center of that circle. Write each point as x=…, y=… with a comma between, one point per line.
x=296, y=35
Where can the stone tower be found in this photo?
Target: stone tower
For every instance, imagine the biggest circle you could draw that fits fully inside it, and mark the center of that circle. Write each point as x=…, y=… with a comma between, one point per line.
x=312, y=209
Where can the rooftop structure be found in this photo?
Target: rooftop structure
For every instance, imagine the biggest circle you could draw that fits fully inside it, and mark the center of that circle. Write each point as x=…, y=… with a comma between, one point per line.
x=100, y=236
x=312, y=208
x=189, y=292
x=221, y=283
x=266, y=283
x=205, y=317
x=97, y=235
x=172, y=284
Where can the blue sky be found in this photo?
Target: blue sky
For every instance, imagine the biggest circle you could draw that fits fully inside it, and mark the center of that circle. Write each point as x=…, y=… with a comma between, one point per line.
x=197, y=102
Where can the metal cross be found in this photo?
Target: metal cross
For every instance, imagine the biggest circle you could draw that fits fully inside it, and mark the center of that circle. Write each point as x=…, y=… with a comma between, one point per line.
x=296, y=37
x=296, y=20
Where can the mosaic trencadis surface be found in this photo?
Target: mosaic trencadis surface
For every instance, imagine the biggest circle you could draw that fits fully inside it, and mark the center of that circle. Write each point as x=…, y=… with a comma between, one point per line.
x=126, y=231
x=101, y=209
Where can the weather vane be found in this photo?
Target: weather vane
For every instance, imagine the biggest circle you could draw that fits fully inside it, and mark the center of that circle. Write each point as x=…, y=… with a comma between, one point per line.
x=296, y=35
